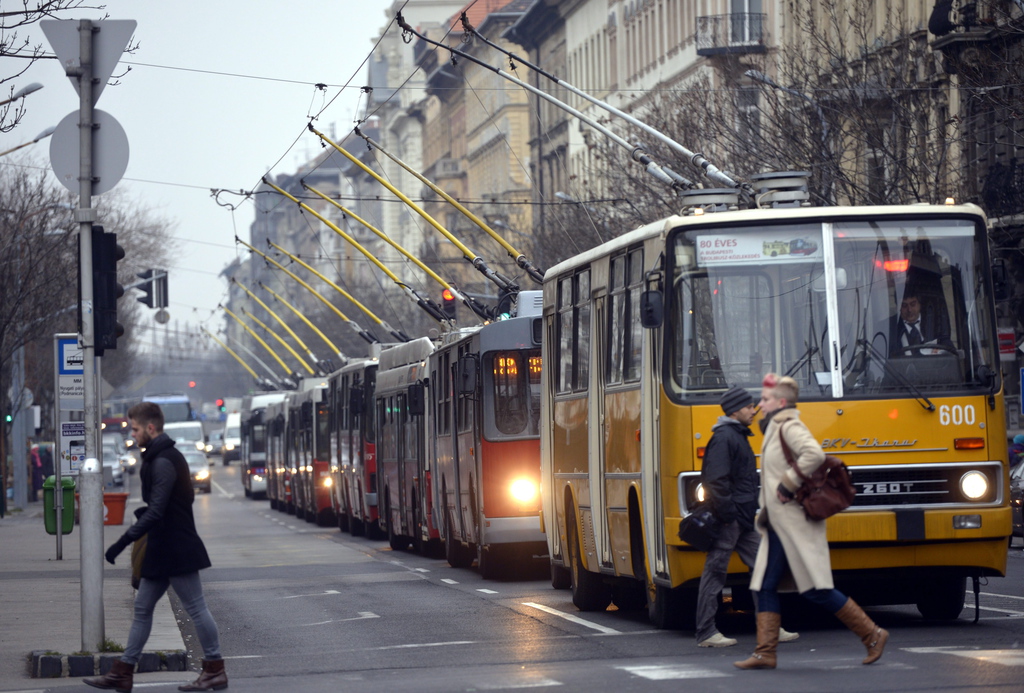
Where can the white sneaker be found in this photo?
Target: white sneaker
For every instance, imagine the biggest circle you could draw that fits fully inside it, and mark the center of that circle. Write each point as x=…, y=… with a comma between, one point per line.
x=786, y=636
x=717, y=640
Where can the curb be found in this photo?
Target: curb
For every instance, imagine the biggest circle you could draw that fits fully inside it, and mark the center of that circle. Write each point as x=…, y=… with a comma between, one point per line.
x=48, y=665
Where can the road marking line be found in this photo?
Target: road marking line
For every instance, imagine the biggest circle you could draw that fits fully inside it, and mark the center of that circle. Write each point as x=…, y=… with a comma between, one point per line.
x=318, y=594
x=1010, y=658
x=363, y=615
x=415, y=570
x=983, y=594
x=445, y=580
x=575, y=619
x=665, y=672
x=485, y=591
x=541, y=683
x=425, y=644
x=989, y=608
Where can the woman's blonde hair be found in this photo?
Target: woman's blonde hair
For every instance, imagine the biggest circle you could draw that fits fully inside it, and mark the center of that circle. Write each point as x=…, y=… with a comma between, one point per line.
x=782, y=387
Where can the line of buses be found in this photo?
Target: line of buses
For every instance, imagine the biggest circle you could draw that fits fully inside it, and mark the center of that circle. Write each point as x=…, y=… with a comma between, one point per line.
x=576, y=428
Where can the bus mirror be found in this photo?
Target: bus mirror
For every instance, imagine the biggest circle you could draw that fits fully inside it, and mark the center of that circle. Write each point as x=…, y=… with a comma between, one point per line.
x=417, y=399
x=652, y=308
x=355, y=401
x=467, y=375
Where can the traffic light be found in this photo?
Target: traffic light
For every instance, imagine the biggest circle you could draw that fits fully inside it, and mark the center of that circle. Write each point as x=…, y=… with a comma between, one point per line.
x=448, y=304
x=105, y=289
x=147, y=288
x=191, y=383
x=220, y=405
x=154, y=288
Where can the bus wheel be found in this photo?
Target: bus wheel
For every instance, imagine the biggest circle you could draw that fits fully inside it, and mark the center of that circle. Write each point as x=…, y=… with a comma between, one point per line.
x=342, y=520
x=589, y=593
x=671, y=609
x=942, y=599
x=561, y=577
x=629, y=595
x=396, y=541
x=492, y=562
x=355, y=527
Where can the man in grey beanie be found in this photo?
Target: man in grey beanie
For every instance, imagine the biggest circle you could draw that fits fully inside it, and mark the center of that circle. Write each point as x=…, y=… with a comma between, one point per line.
x=730, y=479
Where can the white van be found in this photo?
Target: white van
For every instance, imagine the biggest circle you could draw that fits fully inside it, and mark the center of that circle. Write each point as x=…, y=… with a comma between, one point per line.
x=231, y=448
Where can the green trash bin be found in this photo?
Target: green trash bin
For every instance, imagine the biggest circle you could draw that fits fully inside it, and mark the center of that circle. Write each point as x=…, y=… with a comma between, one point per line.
x=67, y=513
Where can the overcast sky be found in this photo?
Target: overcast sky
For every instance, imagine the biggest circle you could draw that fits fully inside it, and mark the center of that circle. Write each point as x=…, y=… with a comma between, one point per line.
x=218, y=93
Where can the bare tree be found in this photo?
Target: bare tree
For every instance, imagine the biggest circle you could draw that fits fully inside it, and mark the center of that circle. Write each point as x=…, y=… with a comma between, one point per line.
x=19, y=51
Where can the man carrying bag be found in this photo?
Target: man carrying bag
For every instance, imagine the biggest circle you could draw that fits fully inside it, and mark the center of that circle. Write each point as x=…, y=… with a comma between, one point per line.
x=731, y=481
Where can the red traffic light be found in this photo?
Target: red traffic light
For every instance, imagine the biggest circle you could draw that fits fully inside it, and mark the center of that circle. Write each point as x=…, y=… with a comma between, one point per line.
x=191, y=383
x=447, y=295
x=220, y=403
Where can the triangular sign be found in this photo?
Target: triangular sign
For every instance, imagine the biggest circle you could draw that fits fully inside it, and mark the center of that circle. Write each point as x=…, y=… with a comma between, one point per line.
x=110, y=38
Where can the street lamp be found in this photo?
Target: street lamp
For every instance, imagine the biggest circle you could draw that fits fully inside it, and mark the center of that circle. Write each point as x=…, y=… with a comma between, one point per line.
x=23, y=92
x=42, y=135
x=764, y=79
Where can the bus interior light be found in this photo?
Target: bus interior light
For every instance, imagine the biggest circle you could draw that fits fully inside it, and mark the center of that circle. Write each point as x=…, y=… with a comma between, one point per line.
x=974, y=485
x=893, y=265
x=967, y=522
x=969, y=443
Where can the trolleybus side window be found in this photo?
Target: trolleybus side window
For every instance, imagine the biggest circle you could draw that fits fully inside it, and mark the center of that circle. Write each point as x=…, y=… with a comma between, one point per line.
x=624, y=327
x=464, y=400
x=574, y=332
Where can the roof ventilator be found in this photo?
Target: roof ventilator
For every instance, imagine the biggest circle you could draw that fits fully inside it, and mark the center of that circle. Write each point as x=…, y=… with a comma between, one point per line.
x=781, y=188
x=708, y=200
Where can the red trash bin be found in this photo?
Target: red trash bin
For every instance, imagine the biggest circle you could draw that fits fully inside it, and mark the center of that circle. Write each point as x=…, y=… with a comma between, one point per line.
x=113, y=508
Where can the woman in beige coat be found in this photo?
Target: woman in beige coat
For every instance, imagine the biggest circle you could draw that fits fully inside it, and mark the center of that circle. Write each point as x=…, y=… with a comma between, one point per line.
x=789, y=541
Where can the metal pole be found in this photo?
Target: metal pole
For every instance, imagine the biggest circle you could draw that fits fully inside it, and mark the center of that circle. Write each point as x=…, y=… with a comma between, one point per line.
x=58, y=498
x=18, y=428
x=91, y=476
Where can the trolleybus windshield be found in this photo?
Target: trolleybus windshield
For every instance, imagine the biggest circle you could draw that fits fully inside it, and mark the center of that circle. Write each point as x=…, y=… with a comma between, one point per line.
x=740, y=309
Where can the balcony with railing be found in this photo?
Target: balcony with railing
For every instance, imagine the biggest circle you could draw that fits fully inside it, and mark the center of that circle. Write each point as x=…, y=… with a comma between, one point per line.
x=739, y=33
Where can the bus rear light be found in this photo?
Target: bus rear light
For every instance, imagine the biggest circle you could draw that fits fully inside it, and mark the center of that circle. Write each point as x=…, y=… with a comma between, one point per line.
x=700, y=453
x=969, y=443
x=523, y=490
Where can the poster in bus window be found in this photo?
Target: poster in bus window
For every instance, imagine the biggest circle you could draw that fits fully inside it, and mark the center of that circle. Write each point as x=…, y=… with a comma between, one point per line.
x=758, y=247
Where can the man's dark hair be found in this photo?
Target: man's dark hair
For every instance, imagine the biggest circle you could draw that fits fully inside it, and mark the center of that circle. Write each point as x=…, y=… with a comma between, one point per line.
x=145, y=413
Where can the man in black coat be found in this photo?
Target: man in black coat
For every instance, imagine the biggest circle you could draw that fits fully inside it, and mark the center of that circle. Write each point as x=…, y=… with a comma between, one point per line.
x=731, y=482
x=174, y=554
x=915, y=326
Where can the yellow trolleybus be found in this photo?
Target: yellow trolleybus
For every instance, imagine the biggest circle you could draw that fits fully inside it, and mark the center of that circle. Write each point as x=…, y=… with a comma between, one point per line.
x=644, y=333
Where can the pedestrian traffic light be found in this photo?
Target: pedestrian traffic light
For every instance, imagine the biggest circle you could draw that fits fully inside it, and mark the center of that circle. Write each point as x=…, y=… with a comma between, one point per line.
x=105, y=289
x=448, y=304
x=153, y=288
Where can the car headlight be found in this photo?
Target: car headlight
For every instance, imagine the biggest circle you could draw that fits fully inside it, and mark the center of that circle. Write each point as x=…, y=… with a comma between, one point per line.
x=523, y=490
x=208, y=448
x=229, y=446
x=203, y=474
x=257, y=477
x=974, y=485
x=200, y=445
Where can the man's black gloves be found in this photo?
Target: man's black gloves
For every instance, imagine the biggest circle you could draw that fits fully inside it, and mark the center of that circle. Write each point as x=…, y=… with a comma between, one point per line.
x=115, y=549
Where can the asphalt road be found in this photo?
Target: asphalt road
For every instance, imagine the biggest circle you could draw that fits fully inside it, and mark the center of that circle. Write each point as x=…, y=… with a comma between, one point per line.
x=302, y=608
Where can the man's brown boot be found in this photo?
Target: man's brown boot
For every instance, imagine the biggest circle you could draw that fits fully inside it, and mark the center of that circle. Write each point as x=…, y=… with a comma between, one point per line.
x=119, y=678
x=872, y=635
x=768, y=623
x=211, y=678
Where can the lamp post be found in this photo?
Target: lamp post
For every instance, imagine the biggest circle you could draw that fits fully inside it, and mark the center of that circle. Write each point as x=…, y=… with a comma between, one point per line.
x=42, y=135
x=826, y=153
x=23, y=92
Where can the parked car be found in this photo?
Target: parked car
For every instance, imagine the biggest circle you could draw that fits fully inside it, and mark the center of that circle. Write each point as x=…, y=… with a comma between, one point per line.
x=188, y=435
x=199, y=469
x=1017, y=501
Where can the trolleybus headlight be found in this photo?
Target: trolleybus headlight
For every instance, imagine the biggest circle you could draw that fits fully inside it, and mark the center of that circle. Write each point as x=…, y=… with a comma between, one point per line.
x=699, y=493
x=974, y=485
x=523, y=490
x=328, y=482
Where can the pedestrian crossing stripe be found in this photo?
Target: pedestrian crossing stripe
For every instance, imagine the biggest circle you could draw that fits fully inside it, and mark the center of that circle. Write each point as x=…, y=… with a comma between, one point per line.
x=665, y=672
x=1009, y=658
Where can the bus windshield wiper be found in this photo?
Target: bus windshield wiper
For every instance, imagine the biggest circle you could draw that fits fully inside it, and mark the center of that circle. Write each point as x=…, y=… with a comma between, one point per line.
x=921, y=398
x=806, y=357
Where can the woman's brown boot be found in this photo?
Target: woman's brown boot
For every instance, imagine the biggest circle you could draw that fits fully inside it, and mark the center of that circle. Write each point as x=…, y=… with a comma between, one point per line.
x=211, y=678
x=119, y=678
x=768, y=623
x=871, y=634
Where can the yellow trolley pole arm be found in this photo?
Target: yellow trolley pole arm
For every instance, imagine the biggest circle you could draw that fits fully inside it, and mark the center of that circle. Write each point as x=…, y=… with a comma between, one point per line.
x=425, y=303
x=280, y=339
x=277, y=317
x=520, y=259
x=303, y=318
x=475, y=260
x=260, y=340
x=232, y=352
x=402, y=337
x=361, y=332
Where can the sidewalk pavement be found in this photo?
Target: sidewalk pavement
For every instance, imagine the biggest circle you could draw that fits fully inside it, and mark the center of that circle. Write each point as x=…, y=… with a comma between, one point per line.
x=40, y=597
